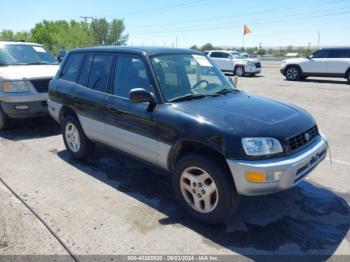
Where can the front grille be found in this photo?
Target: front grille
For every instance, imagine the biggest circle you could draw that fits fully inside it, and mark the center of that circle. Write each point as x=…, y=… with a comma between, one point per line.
x=41, y=85
x=297, y=142
x=258, y=65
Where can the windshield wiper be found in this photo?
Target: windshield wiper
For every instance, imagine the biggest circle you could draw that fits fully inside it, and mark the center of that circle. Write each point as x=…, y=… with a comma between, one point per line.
x=187, y=97
x=226, y=91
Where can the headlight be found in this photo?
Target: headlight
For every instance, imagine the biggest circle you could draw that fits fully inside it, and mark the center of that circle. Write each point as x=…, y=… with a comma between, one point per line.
x=15, y=87
x=259, y=146
x=250, y=64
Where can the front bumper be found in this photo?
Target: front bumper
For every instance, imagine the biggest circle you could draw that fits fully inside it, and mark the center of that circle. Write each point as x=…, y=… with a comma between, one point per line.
x=252, y=69
x=294, y=169
x=25, y=109
x=24, y=105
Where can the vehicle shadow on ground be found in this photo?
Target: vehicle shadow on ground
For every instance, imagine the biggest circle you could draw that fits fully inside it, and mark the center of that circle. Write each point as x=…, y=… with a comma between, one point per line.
x=304, y=220
x=324, y=81
x=31, y=128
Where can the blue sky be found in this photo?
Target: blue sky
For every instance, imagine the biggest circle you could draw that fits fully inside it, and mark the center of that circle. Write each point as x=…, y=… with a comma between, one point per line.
x=155, y=22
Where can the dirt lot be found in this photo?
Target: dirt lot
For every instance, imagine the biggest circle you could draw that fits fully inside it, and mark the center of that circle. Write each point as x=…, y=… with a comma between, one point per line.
x=112, y=204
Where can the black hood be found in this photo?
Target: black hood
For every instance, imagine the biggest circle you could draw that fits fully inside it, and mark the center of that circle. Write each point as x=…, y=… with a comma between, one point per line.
x=246, y=115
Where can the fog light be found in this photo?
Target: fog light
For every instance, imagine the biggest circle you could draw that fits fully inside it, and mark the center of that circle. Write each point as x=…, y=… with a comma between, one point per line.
x=22, y=107
x=256, y=177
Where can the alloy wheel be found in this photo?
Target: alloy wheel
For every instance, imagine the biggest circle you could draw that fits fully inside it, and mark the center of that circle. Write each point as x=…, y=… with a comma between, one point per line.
x=72, y=137
x=292, y=73
x=199, y=190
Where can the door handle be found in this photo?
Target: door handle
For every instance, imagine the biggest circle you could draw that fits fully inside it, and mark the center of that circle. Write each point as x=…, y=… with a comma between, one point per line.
x=114, y=110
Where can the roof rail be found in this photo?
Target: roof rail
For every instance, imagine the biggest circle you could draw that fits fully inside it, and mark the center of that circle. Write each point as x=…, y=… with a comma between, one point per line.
x=15, y=41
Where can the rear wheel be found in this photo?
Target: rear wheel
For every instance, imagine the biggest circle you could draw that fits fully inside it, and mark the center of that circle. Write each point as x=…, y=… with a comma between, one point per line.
x=348, y=77
x=5, y=121
x=293, y=73
x=76, y=142
x=204, y=189
x=239, y=71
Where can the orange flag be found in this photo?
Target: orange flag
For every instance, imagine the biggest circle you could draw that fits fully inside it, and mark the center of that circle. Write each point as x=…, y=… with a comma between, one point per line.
x=246, y=30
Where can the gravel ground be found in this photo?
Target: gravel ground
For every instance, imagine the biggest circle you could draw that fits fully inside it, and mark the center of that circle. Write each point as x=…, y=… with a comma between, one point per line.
x=112, y=204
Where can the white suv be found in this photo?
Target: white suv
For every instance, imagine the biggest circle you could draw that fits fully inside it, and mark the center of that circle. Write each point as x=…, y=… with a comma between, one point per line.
x=327, y=62
x=234, y=62
x=25, y=72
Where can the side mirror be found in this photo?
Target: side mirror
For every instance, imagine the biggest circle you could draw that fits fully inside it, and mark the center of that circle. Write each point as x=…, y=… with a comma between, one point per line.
x=311, y=56
x=140, y=95
x=61, y=54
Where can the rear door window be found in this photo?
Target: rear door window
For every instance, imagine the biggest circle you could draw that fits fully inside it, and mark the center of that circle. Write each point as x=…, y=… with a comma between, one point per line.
x=85, y=70
x=338, y=53
x=130, y=73
x=71, y=68
x=100, y=72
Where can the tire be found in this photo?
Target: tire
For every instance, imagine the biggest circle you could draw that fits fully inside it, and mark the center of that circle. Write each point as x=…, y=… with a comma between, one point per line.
x=293, y=73
x=194, y=177
x=348, y=76
x=75, y=140
x=239, y=71
x=5, y=121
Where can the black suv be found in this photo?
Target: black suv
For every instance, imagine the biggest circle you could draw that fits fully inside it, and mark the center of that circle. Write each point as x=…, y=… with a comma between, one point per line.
x=174, y=108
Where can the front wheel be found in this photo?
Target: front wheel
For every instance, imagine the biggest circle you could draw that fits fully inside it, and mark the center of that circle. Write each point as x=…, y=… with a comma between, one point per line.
x=239, y=71
x=204, y=189
x=76, y=142
x=293, y=73
x=348, y=77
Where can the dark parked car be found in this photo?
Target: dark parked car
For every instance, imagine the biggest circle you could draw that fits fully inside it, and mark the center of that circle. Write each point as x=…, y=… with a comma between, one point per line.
x=174, y=109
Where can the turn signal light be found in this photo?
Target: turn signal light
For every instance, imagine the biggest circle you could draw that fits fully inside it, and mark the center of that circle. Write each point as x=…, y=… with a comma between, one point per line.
x=255, y=177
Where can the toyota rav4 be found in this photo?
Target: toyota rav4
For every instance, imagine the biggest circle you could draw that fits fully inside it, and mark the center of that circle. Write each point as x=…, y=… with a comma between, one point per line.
x=175, y=109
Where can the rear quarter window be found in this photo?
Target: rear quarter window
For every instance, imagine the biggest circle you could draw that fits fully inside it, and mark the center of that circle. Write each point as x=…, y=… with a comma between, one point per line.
x=71, y=67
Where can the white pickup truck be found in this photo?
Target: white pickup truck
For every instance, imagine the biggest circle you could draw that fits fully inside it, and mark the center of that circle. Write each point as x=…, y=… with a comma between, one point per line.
x=234, y=62
x=25, y=72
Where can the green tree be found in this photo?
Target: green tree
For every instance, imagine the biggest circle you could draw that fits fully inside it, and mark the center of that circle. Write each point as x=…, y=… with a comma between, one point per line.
x=105, y=33
x=195, y=47
x=261, y=51
x=116, y=33
x=7, y=35
x=208, y=47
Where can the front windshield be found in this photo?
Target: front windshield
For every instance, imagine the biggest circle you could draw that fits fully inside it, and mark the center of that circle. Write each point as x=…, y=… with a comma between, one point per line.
x=182, y=75
x=238, y=55
x=25, y=55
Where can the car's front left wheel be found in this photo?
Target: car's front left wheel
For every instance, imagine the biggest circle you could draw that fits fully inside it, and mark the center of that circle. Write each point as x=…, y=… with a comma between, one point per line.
x=75, y=140
x=239, y=71
x=293, y=73
x=204, y=188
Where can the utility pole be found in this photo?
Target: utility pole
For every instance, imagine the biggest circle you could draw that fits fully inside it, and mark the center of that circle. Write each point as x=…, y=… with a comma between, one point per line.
x=86, y=18
x=319, y=39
